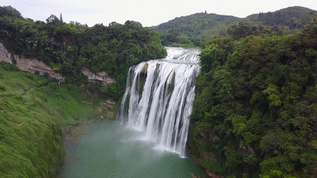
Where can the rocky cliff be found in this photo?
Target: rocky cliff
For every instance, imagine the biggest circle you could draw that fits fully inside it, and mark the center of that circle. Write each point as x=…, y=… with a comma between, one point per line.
x=33, y=65
x=30, y=65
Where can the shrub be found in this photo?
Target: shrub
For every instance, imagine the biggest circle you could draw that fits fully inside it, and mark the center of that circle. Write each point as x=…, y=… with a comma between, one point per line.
x=111, y=91
x=9, y=67
x=2, y=87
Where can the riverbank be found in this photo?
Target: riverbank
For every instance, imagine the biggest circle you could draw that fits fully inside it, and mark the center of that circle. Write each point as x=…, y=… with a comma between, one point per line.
x=35, y=112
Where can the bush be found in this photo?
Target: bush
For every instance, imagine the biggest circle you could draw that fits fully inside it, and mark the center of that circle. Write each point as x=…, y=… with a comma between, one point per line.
x=94, y=87
x=2, y=87
x=9, y=67
x=111, y=91
x=46, y=75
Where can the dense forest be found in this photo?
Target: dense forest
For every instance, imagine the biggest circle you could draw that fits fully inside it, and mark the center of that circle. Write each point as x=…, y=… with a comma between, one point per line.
x=193, y=29
x=255, y=108
x=190, y=30
x=291, y=18
x=67, y=48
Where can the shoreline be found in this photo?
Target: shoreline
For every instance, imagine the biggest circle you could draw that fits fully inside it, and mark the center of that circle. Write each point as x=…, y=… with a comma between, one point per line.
x=72, y=134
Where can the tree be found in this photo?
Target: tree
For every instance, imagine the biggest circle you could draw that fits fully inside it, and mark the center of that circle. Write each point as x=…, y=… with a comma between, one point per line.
x=52, y=19
x=10, y=11
x=241, y=30
x=173, y=34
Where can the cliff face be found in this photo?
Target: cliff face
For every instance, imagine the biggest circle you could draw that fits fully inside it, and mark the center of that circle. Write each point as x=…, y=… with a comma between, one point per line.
x=4, y=54
x=30, y=65
x=33, y=65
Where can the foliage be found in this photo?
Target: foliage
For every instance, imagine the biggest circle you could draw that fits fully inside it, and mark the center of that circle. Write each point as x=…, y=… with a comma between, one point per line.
x=32, y=110
x=9, y=67
x=110, y=91
x=255, y=107
x=292, y=17
x=10, y=11
x=68, y=48
x=195, y=28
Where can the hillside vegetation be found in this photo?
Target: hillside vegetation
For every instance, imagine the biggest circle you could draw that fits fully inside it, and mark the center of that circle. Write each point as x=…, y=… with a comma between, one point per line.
x=32, y=110
x=35, y=109
x=68, y=48
x=291, y=18
x=191, y=30
x=255, y=110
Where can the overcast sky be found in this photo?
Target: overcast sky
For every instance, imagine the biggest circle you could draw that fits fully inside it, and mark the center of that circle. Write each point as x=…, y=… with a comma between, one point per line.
x=147, y=12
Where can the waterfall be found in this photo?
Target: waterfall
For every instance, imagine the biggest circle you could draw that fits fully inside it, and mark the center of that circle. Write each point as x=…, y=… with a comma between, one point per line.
x=159, y=97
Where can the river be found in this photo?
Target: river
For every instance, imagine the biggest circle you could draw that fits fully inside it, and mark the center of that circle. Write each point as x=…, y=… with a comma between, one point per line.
x=111, y=149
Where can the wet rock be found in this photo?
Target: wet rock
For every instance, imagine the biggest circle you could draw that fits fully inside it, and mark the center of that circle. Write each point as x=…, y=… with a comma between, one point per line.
x=144, y=69
x=106, y=109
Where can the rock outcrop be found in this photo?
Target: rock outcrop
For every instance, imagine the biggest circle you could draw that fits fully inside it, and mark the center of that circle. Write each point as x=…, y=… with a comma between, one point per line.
x=100, y=76
x=33, y=65
x=30, y=65
x=106, y=109
x=4, y=54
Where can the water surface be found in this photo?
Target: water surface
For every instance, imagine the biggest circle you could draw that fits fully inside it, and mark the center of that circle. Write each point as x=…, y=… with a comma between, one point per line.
x=110, y=149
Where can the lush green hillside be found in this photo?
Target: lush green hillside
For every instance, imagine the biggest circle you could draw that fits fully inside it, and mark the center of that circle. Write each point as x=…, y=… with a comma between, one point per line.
x=68, y=48
x=292, y=18
x=256, y=106
x=192, y=29
x=32, y=110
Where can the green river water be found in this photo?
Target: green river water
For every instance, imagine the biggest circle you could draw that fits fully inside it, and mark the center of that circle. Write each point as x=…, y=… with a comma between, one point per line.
x=110, y=149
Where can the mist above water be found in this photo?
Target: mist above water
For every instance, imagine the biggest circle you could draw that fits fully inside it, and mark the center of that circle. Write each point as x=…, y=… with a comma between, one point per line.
x=110, y=149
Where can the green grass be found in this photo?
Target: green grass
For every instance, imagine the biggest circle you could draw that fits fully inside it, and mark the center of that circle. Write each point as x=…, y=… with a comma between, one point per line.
x=32, y=111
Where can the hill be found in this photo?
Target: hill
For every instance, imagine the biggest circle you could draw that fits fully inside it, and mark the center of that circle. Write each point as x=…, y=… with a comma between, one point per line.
x=255, y=109
x=193, y=29
x=196, y=26
x=32, y=110
x=70, y=47
x=293, y=17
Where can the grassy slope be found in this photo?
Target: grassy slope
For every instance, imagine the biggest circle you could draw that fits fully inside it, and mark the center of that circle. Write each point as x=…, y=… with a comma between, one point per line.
x=32, y=110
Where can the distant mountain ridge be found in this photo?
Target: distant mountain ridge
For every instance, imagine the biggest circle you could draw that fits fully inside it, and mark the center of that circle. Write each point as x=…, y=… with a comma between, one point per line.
x=200, y=26
x=294, y=17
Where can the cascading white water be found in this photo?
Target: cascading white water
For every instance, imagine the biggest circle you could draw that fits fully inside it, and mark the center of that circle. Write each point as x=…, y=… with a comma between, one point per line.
x=159, y=97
